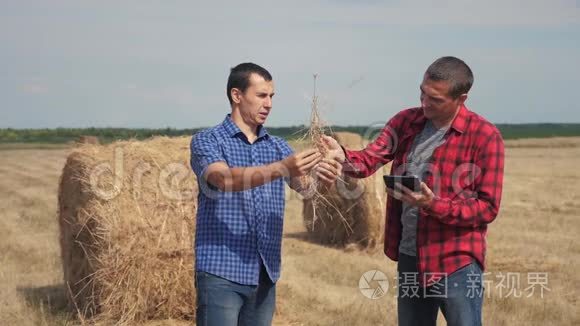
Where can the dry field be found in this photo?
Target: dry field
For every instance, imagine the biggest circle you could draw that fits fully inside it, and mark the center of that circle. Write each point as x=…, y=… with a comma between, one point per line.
x=533, y=245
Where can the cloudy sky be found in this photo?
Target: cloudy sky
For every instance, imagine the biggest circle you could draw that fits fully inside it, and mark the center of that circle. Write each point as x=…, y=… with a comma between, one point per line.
x=165, y=63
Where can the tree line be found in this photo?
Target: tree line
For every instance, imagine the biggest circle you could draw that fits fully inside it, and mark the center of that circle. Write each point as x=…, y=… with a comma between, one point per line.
x=106, y=135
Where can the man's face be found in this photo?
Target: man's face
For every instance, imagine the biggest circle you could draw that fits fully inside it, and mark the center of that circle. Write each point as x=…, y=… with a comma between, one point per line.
x=436, y=102
x=256, y=101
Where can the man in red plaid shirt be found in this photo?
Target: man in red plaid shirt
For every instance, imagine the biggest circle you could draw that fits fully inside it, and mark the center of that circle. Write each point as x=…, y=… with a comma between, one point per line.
x=437, y=234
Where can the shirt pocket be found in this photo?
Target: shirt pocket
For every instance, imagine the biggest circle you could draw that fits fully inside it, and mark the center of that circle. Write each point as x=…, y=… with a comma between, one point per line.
x=453, y=172
x=460, y=183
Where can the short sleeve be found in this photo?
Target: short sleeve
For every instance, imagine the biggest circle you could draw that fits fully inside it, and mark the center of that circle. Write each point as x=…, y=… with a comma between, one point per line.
x=204, y=151
x=284, y=149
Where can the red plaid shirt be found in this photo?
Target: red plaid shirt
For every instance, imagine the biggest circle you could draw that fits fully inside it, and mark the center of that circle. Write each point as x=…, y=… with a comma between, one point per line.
x=466, y=176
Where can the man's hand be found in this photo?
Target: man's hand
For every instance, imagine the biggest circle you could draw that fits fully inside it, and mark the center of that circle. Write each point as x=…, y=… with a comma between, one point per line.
x=334, y=150
x=301, y=163
x=328, y=170
x=420, y=199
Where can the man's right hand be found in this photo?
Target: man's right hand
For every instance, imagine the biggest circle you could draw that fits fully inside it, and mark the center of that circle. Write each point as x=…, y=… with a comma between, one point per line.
x=334, y=150
x=301, y=163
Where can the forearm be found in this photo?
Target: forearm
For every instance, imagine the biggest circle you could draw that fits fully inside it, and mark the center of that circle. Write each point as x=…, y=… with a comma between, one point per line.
x=363, y=163
x=472, y=212
x=244, y=178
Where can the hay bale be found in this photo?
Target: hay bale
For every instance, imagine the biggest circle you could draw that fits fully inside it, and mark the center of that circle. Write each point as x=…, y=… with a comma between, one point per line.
x=94, y=140
x=127, y=218
x=351, y=214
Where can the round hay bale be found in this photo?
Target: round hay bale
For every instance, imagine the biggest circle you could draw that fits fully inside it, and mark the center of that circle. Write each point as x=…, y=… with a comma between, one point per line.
x=127, y=218
x=353, y=212
x=93, y=140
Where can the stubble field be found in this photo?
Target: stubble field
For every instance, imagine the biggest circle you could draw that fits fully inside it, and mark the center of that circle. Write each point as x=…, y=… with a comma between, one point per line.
x=533, y=249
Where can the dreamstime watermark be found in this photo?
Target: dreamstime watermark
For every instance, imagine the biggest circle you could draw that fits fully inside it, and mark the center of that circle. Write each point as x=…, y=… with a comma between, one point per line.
x=176, y=181
x=375, y=284
x=384, y=138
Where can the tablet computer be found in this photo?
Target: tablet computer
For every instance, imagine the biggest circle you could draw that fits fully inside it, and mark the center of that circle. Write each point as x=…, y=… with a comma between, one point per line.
x=410, y=181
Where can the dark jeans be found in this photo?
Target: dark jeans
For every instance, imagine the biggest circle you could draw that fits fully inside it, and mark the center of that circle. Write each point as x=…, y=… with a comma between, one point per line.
x=224, y=303
x=459, y=295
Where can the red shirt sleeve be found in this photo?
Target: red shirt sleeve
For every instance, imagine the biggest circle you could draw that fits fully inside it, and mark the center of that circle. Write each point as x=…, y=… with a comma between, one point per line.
x=363, y=163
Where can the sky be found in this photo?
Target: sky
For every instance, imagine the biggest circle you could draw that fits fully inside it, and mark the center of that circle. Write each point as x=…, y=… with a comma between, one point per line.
x=157, y=64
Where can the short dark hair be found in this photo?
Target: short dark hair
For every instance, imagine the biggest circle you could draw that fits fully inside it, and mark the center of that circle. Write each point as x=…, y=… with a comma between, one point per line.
x=454, y=71
x=240, y=77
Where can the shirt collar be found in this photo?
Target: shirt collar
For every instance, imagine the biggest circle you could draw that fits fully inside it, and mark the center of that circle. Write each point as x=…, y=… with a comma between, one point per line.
x=233, y=130
x=459, y=122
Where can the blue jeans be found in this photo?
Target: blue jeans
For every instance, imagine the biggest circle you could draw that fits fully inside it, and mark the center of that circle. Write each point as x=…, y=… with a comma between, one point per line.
x=224, y=303
x=459, y=295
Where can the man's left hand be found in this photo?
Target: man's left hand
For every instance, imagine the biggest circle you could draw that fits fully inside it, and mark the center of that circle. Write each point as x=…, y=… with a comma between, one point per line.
x=423, y=198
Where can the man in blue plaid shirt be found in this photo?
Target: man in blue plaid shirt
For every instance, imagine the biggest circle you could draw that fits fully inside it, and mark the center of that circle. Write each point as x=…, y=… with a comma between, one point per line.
x=241, y=171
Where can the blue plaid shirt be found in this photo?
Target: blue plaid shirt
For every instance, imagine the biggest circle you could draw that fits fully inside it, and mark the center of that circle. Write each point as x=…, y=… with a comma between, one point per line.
x=235, y=231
